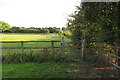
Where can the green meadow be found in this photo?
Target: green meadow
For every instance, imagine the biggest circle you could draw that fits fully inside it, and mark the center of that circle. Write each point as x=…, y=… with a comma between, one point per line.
x=30, y=37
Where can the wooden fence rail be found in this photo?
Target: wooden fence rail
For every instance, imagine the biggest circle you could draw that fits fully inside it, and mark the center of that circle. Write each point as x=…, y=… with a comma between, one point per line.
x=25, y=41
x=115, y=55
x=22, y=44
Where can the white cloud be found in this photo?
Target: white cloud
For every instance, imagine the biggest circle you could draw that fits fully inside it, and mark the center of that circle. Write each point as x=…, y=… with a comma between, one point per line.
x=37, y=13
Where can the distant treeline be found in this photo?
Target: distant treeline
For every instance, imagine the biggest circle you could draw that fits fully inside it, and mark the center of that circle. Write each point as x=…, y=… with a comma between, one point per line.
x=6, y=28
x=32, y=30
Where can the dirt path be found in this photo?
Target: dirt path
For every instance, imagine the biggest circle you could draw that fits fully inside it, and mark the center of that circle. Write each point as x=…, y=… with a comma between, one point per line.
x=81, y=70
x=84, y=70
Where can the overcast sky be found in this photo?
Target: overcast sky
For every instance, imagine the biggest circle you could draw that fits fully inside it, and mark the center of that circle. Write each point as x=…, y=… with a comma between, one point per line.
x=36, y=13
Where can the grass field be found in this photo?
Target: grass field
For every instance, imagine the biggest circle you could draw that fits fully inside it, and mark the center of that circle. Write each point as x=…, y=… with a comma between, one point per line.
x=32, y=69
x=31, y=37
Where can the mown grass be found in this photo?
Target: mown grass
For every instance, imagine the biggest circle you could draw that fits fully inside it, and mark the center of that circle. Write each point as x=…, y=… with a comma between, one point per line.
x=49, y=70
x=30, y=37
x=35, y=70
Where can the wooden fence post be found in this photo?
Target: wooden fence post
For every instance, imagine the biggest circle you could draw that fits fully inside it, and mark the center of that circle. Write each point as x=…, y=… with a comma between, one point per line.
x=62, y=48
x=22, y=47
x=83, y=49
x=52, y=44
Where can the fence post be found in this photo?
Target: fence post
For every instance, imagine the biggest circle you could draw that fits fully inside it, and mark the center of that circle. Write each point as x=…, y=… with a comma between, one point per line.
x=62, y=48
x=83, y=49
x=52, y=44
x=22, y=46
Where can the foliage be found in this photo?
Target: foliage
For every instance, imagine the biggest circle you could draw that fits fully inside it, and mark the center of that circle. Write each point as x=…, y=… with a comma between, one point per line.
x=96, y=21
x=4, y=26
x=60, y=32
x=53, y=29
x=32, y=30
x=67, y=33
x=26, y=30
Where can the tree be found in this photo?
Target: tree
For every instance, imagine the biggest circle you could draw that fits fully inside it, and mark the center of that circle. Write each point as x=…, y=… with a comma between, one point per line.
x=53, y=29
x=104, y=15
x=96, y=21
x=4, y=26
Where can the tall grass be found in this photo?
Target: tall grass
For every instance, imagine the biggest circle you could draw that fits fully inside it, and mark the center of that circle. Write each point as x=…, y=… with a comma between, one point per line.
x=41, y=55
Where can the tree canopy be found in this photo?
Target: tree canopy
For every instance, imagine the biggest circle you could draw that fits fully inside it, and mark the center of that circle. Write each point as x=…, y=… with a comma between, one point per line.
x=96, y=21
x=4, y=26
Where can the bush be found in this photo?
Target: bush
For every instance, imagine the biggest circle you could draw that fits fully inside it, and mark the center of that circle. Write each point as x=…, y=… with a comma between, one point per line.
x=60, y=32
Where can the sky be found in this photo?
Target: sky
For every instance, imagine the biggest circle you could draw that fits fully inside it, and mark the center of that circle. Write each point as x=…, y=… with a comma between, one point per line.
x=37, y=13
